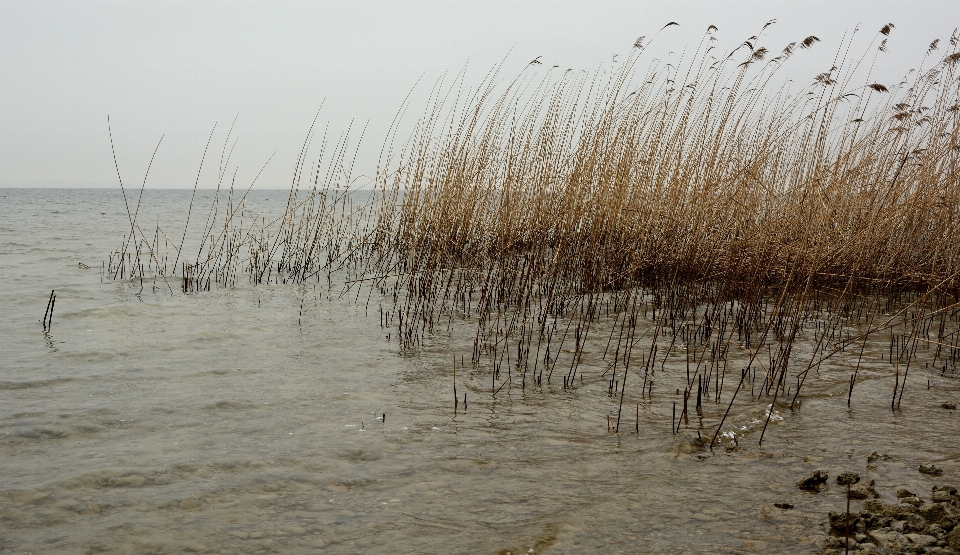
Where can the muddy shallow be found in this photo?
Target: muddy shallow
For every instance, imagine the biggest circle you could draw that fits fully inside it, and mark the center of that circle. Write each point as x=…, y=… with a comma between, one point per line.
x=156, y=422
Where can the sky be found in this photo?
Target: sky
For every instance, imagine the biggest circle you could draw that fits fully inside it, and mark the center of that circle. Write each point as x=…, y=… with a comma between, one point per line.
x=170, y=72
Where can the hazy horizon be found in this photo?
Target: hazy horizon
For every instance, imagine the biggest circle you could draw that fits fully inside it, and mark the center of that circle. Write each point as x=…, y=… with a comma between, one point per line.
x=179, y=69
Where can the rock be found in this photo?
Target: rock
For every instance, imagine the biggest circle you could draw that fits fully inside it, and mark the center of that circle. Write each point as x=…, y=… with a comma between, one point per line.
x=868, y=549
x=931, y=470
x=838, y=521
x=953, y=539
x=940, y=551
x=913, y=523
x=921, y=539
x=864, y=491
x=933, y=513
x=899, y=512
x=813, y=481
x=189, y=504
x=848, y=479
x=904, y=492
x=873, y=521
x=784, y=506
x=889, y=539
x=944, y=494
x=936, y=531
x=949, y=406
x=874, y=457
x=915, y=501
x=832, y=542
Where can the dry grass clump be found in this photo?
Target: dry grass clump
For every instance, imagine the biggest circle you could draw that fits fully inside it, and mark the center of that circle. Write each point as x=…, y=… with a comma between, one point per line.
x=701, y=204
x=701, y=197
x=562, y=187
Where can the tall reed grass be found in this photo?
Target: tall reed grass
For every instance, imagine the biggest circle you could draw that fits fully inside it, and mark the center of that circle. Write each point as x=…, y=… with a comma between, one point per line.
x=707, y=202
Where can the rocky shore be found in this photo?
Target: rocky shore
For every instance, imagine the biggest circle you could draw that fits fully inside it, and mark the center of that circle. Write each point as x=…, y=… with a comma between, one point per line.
x=917, y=524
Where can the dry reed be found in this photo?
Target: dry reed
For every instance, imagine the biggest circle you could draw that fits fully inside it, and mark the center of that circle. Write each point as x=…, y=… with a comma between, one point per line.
x=701, y=205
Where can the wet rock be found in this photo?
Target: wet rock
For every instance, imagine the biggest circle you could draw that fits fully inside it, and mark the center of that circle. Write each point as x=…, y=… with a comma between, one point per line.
x=936, y=531
x=953, y=539
x=890, y=540
x=934, y=513
x=848, y=479
x=931, y=470
x=834, y=542
x=864, y=491
x=944, y=494
x=784, y=506
x=949, y=406
x=873, y=521
x=921, y=539
x=813, y=481
x=900, y=528
x=874, y=457
x=913, y=524
x=838, y=521
x=904, y=492
x=898, y=512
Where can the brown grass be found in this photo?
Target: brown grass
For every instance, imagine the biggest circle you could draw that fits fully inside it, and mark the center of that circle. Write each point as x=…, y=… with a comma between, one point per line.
x=703, y=198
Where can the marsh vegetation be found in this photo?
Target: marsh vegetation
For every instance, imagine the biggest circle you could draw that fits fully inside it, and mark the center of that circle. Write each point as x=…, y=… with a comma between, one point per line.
x=703, y=225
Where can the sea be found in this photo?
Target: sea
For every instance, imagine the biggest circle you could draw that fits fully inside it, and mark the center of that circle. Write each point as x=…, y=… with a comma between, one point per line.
x=286, y=419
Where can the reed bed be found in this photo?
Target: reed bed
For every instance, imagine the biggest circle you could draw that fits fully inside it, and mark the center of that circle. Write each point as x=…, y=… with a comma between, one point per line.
x=703, y=209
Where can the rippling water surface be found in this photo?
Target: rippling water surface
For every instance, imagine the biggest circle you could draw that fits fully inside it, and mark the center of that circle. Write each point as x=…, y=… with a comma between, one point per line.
x=281, y=419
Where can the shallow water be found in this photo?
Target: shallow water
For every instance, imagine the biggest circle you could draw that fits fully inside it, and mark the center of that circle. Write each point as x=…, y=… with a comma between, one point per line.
x=252, y=420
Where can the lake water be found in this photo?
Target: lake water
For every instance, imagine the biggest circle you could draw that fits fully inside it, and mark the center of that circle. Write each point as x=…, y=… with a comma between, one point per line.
x=251, y=420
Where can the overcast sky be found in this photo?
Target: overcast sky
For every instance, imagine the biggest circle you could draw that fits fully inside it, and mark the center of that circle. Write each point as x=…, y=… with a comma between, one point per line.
x=176, y=69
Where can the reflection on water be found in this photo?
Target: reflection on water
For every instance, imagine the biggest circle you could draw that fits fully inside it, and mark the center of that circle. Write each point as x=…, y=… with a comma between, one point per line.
x=147, y=421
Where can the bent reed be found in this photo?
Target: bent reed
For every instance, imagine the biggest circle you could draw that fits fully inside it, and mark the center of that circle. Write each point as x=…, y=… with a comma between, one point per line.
x=701, y=208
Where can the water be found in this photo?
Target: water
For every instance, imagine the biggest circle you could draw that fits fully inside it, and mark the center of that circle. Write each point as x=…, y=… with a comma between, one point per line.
x=251, y=420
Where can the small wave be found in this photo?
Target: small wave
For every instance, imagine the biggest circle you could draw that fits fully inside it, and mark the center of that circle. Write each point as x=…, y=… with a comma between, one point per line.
x=9, y=384
x=231, y=405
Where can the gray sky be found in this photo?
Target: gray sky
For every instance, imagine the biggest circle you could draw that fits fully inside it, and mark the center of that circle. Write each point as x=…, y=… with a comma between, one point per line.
x=177, y=68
